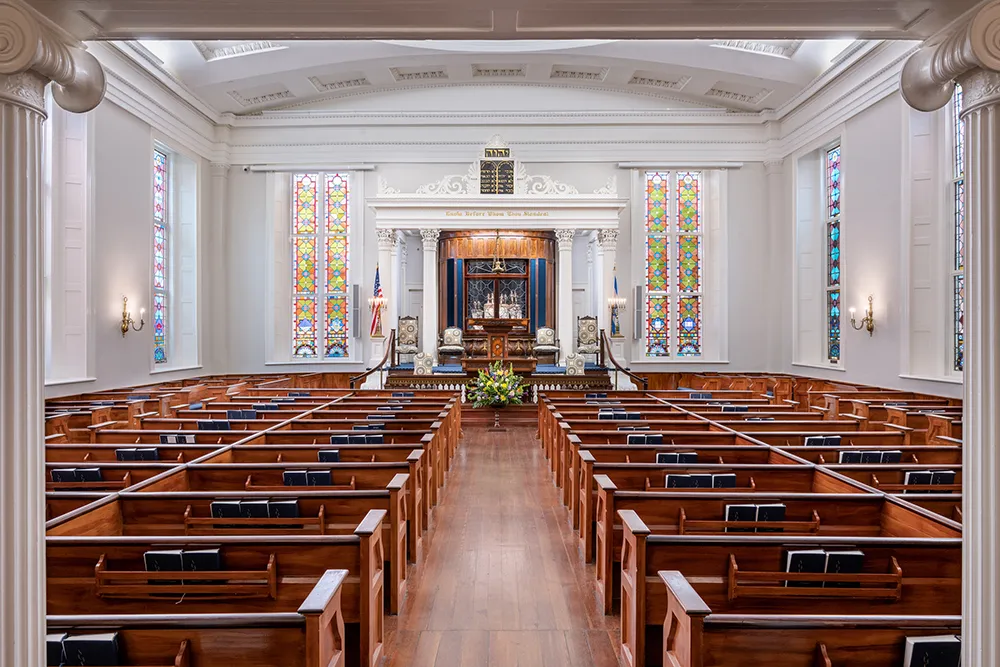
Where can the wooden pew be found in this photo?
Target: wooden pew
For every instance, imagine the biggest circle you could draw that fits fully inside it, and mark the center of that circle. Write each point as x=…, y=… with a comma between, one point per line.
x=717, y=565
x=696, y=636
x=311, y=636
x=115, y=476
x=270, y=574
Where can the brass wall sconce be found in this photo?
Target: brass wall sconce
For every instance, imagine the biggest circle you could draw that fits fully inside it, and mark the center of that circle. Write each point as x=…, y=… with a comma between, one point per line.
x=868, y=321
x=127, y=318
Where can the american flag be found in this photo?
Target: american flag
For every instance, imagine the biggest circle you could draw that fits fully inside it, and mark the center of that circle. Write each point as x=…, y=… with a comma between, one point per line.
x=376, y=312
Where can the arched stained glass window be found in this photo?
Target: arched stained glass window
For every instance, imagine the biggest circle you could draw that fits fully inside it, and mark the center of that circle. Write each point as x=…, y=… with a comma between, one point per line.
x=320, y=232
x=833, y=292
x=673, y=263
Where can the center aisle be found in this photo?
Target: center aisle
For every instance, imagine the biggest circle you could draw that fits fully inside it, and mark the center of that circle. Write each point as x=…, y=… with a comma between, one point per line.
x=503, y=583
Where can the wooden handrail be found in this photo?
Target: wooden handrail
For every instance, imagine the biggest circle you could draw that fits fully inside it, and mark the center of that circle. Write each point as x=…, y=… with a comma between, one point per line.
x=606, y=355
x=390, y=350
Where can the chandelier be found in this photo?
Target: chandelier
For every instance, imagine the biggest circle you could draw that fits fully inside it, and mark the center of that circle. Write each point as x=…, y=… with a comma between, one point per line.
x=499, y=266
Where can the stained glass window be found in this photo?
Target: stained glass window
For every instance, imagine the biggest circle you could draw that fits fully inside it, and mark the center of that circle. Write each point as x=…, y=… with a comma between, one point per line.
x=161, y=184
x=673, y=264
x=833, y=294
x=958, y=223
x=320, y=264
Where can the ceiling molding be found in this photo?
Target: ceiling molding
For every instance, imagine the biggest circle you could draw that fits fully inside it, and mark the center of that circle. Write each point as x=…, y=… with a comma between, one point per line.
x=578, y=72
x=722, y=92
x=342, y=84
x=653, y=81
x=783, y=49
x=499, y=71
x=418, y=73
x=212, y=54
x=263, y=98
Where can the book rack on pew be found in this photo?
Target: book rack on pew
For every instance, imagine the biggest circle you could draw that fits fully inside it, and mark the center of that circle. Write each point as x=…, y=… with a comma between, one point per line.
x=243, y=526
x=915, y=488
x=729, y=489
x=145, y=585
x=250, y=486
x=687, y=526
x=744, y=584
x=102, y=485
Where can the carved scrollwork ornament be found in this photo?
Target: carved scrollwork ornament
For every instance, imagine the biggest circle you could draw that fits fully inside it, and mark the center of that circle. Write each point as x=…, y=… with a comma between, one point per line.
x=979, y=88
x=31, y=44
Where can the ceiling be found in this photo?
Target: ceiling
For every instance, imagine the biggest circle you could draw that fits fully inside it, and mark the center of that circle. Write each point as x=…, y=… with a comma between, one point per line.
x=503, y=19
x=244, y=77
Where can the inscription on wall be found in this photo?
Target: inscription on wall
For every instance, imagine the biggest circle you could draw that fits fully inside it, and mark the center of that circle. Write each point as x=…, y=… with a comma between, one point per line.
x=496, y=214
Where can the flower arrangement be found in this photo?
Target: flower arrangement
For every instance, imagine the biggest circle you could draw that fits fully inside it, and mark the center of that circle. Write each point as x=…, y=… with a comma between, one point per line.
x=496, y=387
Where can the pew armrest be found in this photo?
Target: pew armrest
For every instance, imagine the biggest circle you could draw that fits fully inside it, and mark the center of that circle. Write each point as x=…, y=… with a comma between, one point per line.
x=587, y=457
x=325, y=621
x=398, y=482
x=633, y=523
x=415, y=455
x=371, y=523
x=604, y=483
x=684, y=623
x=573, y=438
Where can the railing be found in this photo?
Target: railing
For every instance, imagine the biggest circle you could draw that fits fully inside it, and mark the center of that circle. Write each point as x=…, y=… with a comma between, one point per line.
x=607, y=356
x=390, y=352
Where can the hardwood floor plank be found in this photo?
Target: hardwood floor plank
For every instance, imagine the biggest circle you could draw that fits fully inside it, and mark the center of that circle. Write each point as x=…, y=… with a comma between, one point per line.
x=503, y=582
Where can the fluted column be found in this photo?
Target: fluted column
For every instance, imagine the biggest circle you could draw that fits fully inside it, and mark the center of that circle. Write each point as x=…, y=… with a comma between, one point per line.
x=607, y=243
x=219, y=264
x=33, y=52
x=564, y=300
x=970, y=55
x=429, y=318
x=774, y=174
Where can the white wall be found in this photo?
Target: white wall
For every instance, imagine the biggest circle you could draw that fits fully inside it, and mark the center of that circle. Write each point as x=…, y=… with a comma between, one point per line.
x=873, y=242
x=122, y=238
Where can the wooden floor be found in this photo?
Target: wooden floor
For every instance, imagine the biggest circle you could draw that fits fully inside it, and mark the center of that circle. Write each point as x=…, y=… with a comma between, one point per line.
x=503, y=583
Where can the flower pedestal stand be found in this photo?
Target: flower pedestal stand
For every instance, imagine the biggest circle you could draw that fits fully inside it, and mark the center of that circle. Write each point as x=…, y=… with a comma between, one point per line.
x=496, y=422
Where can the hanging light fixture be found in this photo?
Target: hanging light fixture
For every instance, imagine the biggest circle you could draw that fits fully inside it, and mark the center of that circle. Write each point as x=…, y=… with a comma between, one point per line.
x=499, y=265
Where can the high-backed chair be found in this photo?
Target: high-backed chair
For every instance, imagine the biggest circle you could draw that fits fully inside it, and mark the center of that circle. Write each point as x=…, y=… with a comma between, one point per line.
x=546, y=343
x=407, y=336
x=586, y=335
x=451, y=343
x=574, y=364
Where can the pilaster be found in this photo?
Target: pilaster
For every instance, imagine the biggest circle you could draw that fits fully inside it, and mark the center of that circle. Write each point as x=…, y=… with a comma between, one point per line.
x=564, y=301
x=429, y=318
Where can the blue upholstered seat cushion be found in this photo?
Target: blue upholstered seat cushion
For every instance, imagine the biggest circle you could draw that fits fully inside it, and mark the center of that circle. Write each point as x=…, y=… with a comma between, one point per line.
x=549, y=369
x=402, y=367
x=448, y=369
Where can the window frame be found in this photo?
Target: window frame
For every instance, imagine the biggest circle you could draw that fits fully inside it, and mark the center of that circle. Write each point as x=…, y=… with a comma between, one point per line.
x=163, y=292
x=956, y=228
x=321, y=295
x=671, y=237
x=833, y=282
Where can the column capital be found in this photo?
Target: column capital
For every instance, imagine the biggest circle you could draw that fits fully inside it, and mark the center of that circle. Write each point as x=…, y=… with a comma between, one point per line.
x=386, y=238
x=34, y=51
x=565, y=238
x=607, y=239
x=772, y=167
x=430, y=237
x=928, y=78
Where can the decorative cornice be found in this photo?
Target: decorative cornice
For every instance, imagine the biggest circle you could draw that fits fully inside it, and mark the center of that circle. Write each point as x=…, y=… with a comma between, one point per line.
x=384, y=188
x=343, y=84
x=609, y=189
x=782, y=50
x=31, y=42
x=220, y=169
x=928, y=79
x=211, y=54
x=774, y=167
x=256, y=100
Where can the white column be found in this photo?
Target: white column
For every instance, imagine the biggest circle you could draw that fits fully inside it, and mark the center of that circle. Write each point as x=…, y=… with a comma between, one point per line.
x=777, y=239
x=392, y=284
x=971, y=55
x=218, y=244
x=33, y=51
x=429, y=318
x=399, y=276
x=591, y=291
x=607, y=242
x=565, y=329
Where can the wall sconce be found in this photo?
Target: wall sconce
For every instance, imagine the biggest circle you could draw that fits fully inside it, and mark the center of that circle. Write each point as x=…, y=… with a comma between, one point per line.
x=376, y=304
x=868, y=321
x=616, y=304
x=127, y=318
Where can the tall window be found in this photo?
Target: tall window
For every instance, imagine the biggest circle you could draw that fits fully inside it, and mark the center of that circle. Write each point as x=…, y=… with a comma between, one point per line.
x=161, y=234
x=673, y=264
x=320, y=229
x=833, y=292
x=958, y=223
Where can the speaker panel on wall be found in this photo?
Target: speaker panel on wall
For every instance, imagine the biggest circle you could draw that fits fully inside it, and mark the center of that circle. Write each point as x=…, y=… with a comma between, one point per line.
x=638, y=312
x=356, y=311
